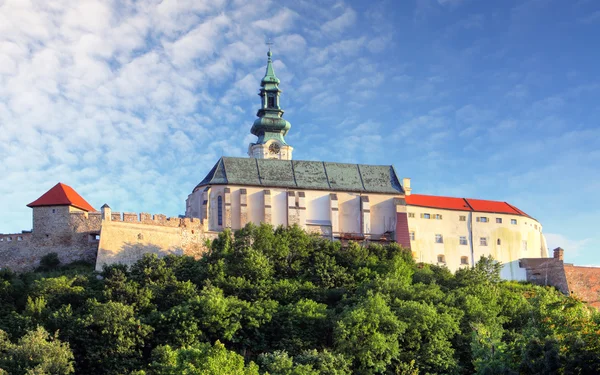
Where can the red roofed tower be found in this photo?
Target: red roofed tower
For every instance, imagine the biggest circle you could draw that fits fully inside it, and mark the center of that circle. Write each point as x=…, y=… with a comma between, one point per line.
x=51, y=211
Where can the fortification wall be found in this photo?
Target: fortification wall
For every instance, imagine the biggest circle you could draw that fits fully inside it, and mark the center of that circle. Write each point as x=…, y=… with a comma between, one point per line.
x=72, y=235
x=584, y=282
x=126, y=238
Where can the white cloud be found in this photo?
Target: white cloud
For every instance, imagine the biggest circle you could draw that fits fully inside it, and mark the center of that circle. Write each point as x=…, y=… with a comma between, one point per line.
x=282, y=21
x=340, y=23
x=572, y=247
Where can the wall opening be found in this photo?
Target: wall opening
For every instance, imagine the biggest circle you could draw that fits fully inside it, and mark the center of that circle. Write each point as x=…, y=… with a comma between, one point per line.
x=219, y=210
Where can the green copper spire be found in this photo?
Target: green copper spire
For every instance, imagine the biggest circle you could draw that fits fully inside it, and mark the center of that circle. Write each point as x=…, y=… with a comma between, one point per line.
x=270, y=124
x=270, y=74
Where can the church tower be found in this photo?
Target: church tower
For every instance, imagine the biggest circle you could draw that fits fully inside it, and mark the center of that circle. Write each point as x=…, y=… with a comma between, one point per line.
x=270, y=127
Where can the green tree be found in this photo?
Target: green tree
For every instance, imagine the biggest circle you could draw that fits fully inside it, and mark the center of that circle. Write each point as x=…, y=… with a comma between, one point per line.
x=368, y=332
x=199, y=359
x=428, y=336
x=107, y=338
x=325, y=362
x=280, y=363
x=35, y=353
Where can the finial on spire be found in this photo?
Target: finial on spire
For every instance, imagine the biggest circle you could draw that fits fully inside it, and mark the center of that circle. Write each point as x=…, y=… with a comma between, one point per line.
x=269, y=43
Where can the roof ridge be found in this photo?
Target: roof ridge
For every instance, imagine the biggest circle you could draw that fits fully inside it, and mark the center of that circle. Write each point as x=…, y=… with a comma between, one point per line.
x=468, y=204
x=361, y=178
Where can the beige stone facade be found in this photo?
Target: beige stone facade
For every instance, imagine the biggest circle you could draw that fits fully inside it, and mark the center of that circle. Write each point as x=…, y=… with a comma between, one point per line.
x=459, y=238
x=337, y=214
x=126, y=241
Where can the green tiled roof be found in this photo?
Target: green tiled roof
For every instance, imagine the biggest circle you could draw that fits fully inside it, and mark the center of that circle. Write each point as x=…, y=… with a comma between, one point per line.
x=300, y=174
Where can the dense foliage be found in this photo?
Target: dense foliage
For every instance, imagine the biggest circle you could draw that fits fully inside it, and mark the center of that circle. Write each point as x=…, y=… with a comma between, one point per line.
x=282, y=302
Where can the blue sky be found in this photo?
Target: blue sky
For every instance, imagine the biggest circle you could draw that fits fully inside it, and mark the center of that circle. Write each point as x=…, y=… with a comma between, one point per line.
x=132, y=102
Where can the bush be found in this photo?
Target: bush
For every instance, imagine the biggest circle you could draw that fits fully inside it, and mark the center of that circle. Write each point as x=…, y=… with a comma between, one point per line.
x=49, y=261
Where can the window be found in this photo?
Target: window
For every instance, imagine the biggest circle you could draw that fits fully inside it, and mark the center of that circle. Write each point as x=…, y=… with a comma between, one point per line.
x=439, y=238
x=524, y=245
x=271, y=101
x=464, y=260
x=438, y=217
x=482, y=241
x=1, y=239
x=463, y=240
x=53, y=210
x=426, y=216
x=462, y=218
x=498, y=220
x=412, y=236
x=499, y=242
x=535, y=226
x=513, y=221
x=482, y=219
x=219, y=210
x=411, y=214
x=441, y=258
x=8, y=239
x=19, y=238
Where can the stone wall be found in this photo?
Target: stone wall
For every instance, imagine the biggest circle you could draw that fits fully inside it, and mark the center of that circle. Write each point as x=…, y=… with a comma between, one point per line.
x=126, y=241
x=546, y=272
x=72, y=234
x=584, y=282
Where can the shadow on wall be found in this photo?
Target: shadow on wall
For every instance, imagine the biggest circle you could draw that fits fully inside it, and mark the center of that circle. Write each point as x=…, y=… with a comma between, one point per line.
x=131, y=252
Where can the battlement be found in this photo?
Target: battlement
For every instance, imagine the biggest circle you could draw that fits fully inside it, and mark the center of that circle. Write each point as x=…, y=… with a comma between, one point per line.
x=14, y=238
x=156, y=219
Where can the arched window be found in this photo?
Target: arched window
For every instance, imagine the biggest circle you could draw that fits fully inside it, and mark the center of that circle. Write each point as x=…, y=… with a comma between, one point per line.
x=271, y=103
x=219, y=210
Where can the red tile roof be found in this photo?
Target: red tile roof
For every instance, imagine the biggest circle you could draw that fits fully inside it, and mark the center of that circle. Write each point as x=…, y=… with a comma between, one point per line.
x=463, y=204
x=434, y=201
x=492, y=206
x=62, y=195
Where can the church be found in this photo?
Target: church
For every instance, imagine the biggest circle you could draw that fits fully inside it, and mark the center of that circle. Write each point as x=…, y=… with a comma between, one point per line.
x=336, y=200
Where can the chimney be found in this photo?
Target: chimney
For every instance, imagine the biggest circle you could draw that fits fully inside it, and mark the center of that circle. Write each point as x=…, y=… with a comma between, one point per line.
x=106, y=212
x=559, y=253
x=406, y=185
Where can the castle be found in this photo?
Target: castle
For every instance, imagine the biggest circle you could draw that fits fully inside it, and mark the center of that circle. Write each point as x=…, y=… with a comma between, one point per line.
x=339, y=201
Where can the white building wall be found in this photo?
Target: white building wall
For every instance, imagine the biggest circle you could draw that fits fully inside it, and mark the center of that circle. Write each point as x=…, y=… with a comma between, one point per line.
x=349, y=205
x=256, y=204
x=235, y=209
x=279, y=204
x=512, y=271
x=382, y=206
x=317, y=205
x=383, y=213
x=511, y=236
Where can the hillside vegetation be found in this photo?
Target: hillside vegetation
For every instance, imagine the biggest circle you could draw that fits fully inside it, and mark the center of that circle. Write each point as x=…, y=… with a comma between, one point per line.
x=281, y=302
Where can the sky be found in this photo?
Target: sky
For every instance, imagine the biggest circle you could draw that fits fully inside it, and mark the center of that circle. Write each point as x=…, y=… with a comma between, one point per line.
x=132, y=102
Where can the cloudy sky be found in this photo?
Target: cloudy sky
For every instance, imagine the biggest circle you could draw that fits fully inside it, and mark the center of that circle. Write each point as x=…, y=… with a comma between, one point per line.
x=131, y=102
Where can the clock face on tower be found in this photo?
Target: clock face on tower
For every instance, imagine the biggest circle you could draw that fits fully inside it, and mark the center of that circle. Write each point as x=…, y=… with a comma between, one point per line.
x=274, y=148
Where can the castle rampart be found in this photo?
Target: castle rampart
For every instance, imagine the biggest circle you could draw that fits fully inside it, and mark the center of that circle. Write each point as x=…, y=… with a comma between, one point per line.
x=126, y=239
x=77, y=235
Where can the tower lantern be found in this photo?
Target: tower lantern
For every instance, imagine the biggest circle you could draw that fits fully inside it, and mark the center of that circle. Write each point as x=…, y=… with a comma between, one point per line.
x=270, y=127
